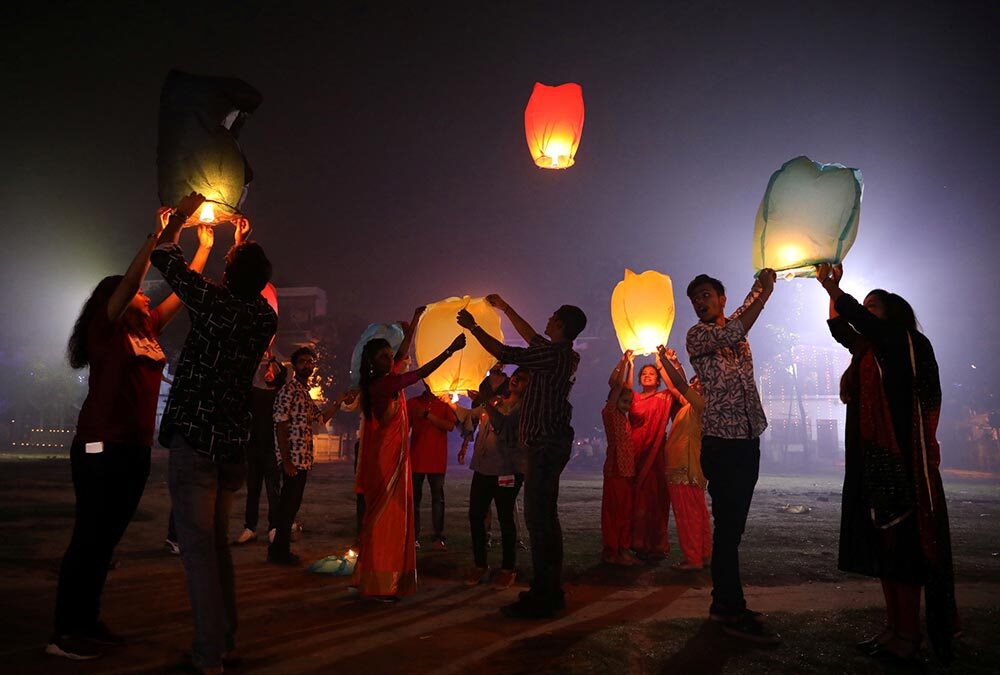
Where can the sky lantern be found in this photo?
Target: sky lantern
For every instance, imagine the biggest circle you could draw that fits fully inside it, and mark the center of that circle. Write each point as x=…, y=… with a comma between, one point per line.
x=809, y=215
x=437, y=328
x=642, y=311
x=391, y=332
x=553, y=124
x=197, y=149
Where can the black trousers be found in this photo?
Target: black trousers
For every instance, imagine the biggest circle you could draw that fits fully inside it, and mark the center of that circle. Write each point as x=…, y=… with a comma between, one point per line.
x=483, y=491
x=262, y=471
x=731, y=467
x=289, y=502
x=108, y=487
x=436, y=481
x=546, y=460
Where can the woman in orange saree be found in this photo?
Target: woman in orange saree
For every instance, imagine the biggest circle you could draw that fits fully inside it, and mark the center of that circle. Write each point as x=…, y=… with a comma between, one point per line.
x=650, y=414
x=386, y=568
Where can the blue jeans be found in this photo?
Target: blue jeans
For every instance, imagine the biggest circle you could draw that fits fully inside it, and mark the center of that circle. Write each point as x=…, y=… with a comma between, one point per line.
x=202, y=496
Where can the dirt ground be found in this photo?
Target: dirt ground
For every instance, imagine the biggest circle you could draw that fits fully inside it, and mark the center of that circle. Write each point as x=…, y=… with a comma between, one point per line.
x=639, y=620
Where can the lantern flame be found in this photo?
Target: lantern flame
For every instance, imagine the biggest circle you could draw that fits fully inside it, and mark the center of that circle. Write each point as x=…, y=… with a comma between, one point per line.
x=351, y=555
x=316, y=393
x=207, y=213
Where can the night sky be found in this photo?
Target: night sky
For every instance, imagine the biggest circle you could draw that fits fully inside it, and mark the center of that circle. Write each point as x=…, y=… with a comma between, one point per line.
x=391, y=167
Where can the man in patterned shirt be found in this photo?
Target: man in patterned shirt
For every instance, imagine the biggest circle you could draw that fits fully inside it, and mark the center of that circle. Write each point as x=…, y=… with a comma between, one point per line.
x=206, y=422
x=294, y=415
x=731, y=427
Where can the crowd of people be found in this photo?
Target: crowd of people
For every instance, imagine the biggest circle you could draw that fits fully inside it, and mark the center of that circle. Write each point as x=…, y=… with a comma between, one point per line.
x=234, y=413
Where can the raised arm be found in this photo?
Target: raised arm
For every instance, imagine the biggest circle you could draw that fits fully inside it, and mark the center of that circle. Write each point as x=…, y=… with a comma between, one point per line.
x=206, y=239
x=759, y=293
x=134, y=276
x=409, y=328
x=435, y=363
x=489, y=343
x=672, y=370
x=849, y=308
x=523, y=328
x=347, y=398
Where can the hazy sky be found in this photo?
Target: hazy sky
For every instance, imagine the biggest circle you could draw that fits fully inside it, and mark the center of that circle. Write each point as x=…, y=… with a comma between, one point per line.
x=391, y=166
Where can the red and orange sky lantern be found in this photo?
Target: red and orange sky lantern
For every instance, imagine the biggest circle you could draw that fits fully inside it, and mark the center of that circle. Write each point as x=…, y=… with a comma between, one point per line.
x=553, y=124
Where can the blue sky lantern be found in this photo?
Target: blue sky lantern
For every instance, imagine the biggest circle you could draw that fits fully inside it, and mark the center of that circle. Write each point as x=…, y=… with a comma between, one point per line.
x=197, y=151
x=392, y=332
x=809, y=215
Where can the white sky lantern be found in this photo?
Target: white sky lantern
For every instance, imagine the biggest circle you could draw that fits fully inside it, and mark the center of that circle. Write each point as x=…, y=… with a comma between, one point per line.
x=435, y=331
x=642, y=311
x=809, y=215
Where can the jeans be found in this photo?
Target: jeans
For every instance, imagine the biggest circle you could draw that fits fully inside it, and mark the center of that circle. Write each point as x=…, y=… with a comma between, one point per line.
x=484, y=490
x=202, y=495
x=262, y=471
x=289, y=502
x=436, y=481
x=546, y=460
x=731, y=467
x=108, y=487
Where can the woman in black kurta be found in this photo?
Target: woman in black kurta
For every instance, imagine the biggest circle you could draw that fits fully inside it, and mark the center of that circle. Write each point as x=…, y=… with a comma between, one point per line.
x=894, y=523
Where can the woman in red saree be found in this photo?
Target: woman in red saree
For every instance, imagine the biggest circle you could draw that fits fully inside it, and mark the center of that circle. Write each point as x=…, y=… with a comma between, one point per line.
x=619, y=468
x=649, y=417
x=387, y=564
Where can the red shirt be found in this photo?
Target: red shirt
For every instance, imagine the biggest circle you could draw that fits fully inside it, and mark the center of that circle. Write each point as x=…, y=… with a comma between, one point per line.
x=428, y=444
x=124, y=381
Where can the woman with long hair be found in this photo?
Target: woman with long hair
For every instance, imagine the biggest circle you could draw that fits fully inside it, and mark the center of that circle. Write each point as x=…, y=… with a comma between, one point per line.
x=894, y=520
x=651, y=407
x=387, y=563
x=116, y=337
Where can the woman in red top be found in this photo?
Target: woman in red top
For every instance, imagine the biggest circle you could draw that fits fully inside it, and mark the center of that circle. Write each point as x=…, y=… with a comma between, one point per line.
x=387, y=563
x=650, y=414
x=116, y=336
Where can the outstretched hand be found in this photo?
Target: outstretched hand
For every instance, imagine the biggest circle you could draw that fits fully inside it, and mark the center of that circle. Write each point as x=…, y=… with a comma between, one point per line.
x=457, y=344
x=829, y=276
x=163, y=215
x=766, y=279
x=466, y=320
x=496, y=301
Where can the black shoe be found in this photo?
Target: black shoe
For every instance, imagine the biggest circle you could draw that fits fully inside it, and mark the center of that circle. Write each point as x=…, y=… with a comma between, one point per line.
x=723, y=616
x=527, y=610
x=747, y=627
x=558, y=602
x=289, y=559
x=72, y=647
x=100, y=634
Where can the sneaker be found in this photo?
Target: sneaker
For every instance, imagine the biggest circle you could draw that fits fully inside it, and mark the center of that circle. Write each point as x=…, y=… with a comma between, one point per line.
x=748, y=627
x=100, y=634
x=477, y=575
x=172, y=546
x=296, y=532
x=288, y=559
x=270, y=535
x=717, y=614
x=558, y=603
x=504, y=579
x=246, y=536
x=439, y=545
x=416, y=544
x=72, y=647
x=521, y=545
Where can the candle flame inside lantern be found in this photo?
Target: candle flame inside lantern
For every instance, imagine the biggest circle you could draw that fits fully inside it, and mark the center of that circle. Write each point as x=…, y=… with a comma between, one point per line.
x=207, y=213
x=351, y=554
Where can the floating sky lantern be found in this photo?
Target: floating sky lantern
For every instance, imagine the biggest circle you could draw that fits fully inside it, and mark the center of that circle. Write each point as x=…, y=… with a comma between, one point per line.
x=197, y=150
x=642, y=311
x=436, y=330
x=553, y=124
x=391, y=332
x=809, y=215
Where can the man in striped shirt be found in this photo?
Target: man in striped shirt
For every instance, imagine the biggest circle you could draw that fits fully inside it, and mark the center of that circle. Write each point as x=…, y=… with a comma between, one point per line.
x=546, y=433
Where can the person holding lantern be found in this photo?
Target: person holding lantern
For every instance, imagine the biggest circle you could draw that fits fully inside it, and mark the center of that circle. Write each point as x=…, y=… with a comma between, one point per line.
x=649, y=417
x=431, y=419
x=386, y=568
x=206, y=422
x=894, y=524
x=731, y=427
x=617, y=499
x=685, y=479
x=116, y=337
x=545, y=431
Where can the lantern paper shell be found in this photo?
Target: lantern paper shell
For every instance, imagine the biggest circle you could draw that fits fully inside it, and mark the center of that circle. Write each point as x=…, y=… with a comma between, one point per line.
x=270, y=294
x=391, y=332
x=197, y=150
x=809, y=215
x=642, y=311
x=435, y=331
x=553, y=124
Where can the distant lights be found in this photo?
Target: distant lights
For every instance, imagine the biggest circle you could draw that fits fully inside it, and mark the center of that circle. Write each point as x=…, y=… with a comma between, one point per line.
x=973, y=366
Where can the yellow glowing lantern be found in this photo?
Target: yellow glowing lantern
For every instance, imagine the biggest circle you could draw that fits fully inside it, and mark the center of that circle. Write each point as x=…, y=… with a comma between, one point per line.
x=553, y=124
x=642, y=311
x=809, y=215
x=436, y=330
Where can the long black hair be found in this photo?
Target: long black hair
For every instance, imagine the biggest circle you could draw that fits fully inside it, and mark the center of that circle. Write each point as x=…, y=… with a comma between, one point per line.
x=76, y=350
x=367, y=375
x=897, y=310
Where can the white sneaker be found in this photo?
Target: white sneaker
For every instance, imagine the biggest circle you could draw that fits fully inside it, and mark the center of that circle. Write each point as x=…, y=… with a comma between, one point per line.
x=270, y=535
x=245, y=536
x=172, y=546
x=296, y=532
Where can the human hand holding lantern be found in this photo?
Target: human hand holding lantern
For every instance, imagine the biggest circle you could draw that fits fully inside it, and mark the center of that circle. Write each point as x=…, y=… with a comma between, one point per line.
x=241, y=233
